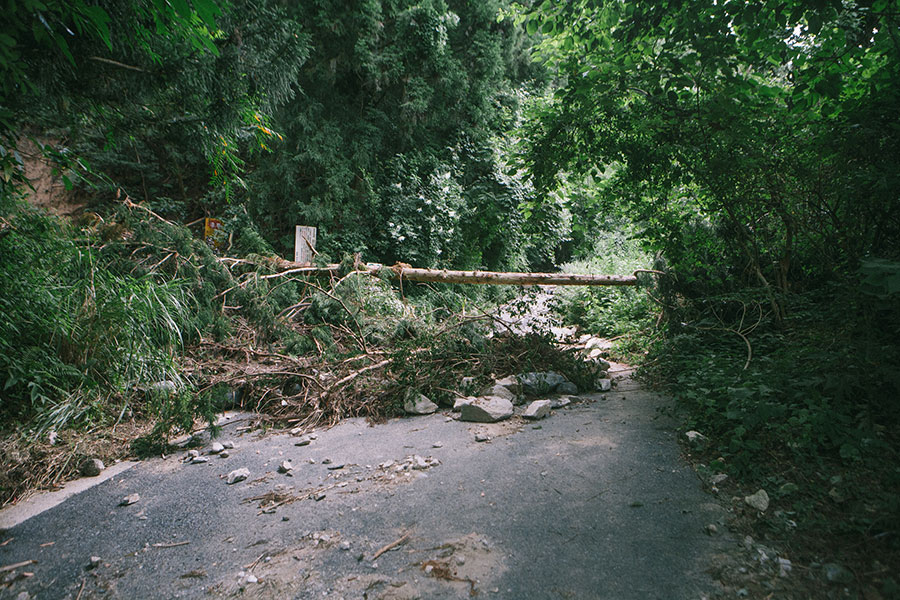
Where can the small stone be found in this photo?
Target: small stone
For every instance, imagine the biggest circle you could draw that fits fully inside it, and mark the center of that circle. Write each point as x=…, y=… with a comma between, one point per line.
x=237, y=475
x=327, y=461
x=319, y=497
x=345, y=546
x=199, y=460
x=784, y=567
x=711, y=529
x=303, y=442
x=560, y=402
x=52, y=438
x=695, y=439
x=228, y=444
x=216, y=448
x=604, y=385
x=296, y=430
x=224, y=454
x=335, y=467
x=836, y=573
x=481, y=437
x=419, y=404
x=460, y=560
x=91, y=467
x=429, y=569
x=537, y=409
x=311, y=460
x=285, y=466
x=437, y=445
x=759, y=500
x=23, y=595
x=251, y=579
x=419, y=463
x=129, y=499
x=537, y=426
x=193, y=453
x=718, y=478
x=95, y=562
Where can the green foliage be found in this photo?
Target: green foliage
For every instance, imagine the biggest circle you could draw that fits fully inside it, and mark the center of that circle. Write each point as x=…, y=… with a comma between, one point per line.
x=75, y=335
x=605, y=311
x=394, y=143
x=818, y=395
x=751, y=143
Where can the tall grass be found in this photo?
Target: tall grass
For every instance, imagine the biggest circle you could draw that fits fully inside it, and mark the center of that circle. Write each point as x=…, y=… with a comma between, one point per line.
x=77, y=337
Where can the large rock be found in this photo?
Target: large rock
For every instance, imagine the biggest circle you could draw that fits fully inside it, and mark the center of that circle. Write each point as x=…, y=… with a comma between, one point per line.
x=487, y=409
x=568, y=388
x=604, y=385
x=419, y=404
x=461, y=401
x=540, y=384
x=538, y=409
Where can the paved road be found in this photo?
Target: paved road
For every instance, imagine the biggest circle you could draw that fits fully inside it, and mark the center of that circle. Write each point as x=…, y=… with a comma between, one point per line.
x=592, y=502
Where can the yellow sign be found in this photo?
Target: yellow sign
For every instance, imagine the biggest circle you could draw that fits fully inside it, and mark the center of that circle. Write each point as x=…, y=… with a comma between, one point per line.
x=214, y=233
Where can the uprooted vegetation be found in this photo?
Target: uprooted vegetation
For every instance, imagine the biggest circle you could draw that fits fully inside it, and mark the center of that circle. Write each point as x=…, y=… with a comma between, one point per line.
x=130, y=327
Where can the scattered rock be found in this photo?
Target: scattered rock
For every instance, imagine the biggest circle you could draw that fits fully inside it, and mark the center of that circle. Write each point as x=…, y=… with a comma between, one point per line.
x=228, y=445
x=345, y=546
x=718, y=478
x=482, y=437
x=537, y=409
x=603, y=385
x=836, y=573
x=326, y=461
x=91, y=467
x=567, y=387
x=23, y=595
x=759, y=500
x=224, y=454
x=303, y=442
x=784, y=567
x=711, y=529
x=695, y=439
x=237, y=475
x=216, y=448
x=540, y=384
x=285, y=466
x=95, y=562
x=192, y=454
x=335, y=467
x=488, y=409
x=319, y=497
x=52, y=438
x=130, y=499
x=437, y=445
x=198, y=460
x=251, y=579
x=419, y=404
x=560, y=401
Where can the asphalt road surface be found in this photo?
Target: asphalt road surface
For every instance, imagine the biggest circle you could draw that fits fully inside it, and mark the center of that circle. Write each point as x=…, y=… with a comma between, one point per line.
x=591, y=502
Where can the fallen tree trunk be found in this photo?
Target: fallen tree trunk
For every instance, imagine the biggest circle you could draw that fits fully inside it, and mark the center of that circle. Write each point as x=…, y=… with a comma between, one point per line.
x=405, y=272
